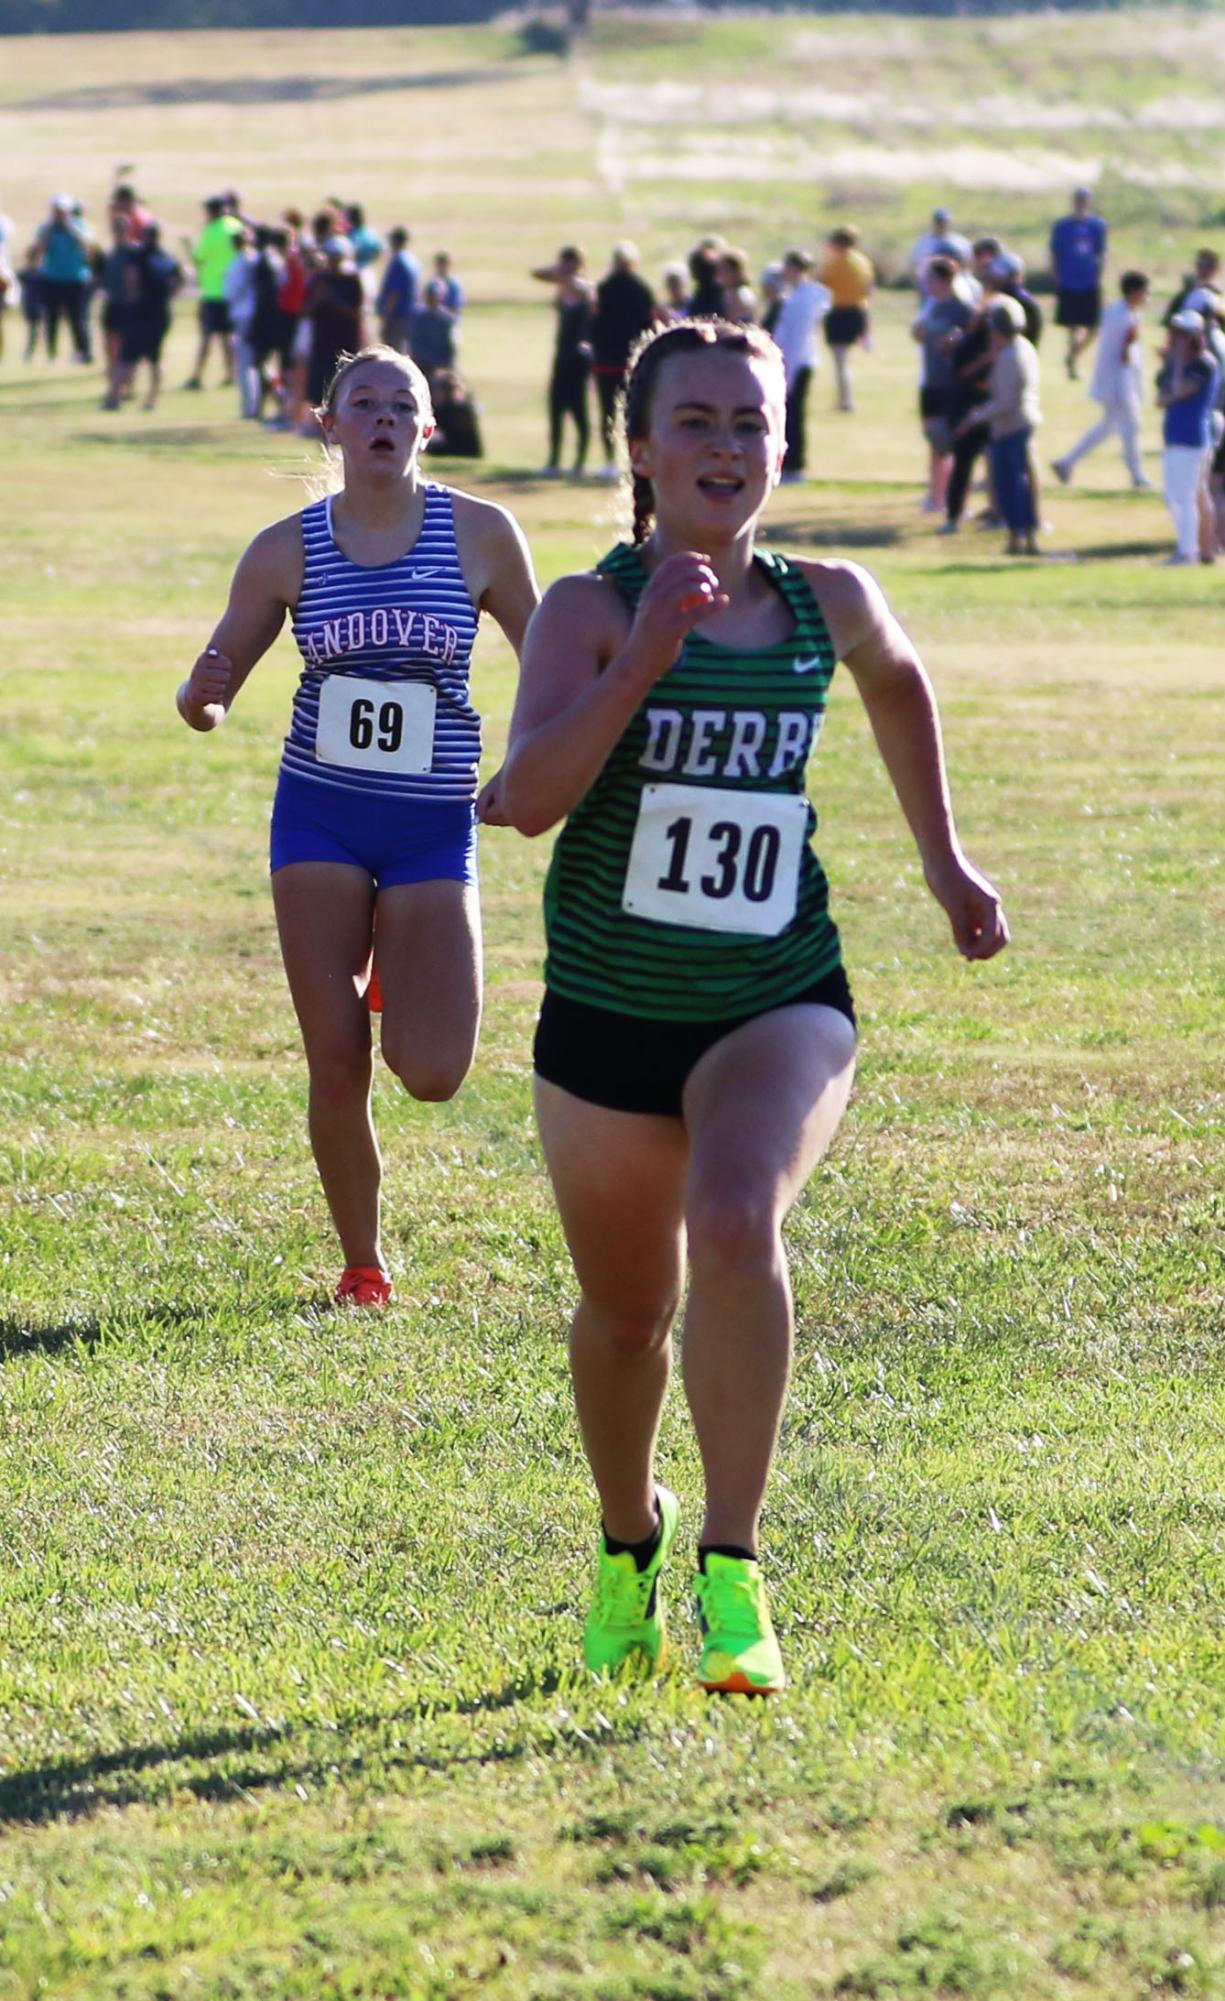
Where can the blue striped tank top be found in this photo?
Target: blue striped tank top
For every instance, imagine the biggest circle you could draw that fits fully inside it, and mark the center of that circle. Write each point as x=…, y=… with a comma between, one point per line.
x=382, y=706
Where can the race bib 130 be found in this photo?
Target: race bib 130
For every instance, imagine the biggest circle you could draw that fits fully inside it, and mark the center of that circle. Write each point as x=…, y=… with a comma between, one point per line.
x=716, y=860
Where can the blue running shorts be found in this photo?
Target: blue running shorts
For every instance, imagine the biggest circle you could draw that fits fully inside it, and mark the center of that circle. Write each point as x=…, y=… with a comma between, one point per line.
x=393, y=840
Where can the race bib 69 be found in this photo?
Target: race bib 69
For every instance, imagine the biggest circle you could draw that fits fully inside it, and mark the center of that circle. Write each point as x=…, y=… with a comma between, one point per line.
x=376, y=725
x=717, y=860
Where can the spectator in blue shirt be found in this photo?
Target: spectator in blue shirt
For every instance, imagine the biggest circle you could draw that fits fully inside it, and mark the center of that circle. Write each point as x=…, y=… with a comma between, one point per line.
x=1187, y=387
x=66, y=274
x=398, y=292
x=1078, y=252
x=453, y=297
x=431, y=333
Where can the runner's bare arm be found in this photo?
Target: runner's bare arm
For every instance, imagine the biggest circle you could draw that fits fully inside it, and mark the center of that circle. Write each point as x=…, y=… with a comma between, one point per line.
x=901, y=707
x=266, y=585
x=497, y=565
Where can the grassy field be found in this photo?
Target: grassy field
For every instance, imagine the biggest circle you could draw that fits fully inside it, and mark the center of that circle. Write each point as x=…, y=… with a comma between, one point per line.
x=289, y=1603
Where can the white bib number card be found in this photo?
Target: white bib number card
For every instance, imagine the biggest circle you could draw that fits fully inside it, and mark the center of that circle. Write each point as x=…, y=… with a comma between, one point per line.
x=716, y=860
x=376, y=725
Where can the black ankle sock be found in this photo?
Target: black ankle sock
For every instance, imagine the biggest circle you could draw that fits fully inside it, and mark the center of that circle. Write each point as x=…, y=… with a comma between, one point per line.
x=642, y=1552
x=724, y=1549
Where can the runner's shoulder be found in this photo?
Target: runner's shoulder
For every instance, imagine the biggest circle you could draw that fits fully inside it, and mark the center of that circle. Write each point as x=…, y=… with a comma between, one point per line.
x=481, y=519
x=852, y=602
x=589, y=606
x=274, y=559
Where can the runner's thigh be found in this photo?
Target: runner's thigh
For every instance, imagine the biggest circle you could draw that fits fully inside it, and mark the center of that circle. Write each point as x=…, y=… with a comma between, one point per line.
x=619, y=1179
x=762, y=1105
x=324, y=912
x=427, y=948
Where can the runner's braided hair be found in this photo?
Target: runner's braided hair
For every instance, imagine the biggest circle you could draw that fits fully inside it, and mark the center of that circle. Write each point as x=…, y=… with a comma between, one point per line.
x=646, y=360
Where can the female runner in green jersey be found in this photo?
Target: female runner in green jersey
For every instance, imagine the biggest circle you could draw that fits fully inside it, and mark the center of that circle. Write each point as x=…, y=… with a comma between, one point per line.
x=697, y=1041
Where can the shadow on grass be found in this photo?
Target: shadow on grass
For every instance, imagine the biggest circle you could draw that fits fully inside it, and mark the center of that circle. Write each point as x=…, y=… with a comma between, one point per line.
x=1098, y=552
x=65, y=405
x=533, y=476
x=836, y=534
x=239, y=90
x=75, y=1788
x=1108, y=552
x=165, y=437
x=20, y=1337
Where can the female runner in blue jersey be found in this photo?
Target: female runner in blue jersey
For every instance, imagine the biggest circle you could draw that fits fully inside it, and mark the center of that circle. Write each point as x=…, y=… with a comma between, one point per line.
x=697, y=1040
x=376, y=803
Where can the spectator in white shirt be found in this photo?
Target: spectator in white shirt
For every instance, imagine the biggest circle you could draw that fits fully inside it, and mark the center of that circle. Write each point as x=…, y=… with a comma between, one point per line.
x=941, y=240
x=805, y=303
x=8, y=280
x=241, y=298
x=1118, y=382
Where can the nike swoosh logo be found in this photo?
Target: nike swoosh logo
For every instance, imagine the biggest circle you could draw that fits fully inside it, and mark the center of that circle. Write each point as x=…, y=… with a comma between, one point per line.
x=808, y=666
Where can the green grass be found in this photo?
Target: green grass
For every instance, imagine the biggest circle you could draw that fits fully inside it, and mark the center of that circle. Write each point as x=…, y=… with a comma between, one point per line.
x=290, y=1606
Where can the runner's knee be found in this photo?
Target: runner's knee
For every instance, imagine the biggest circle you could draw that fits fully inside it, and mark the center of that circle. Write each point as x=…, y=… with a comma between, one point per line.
x=339, y=1072
x=629, y=1331
x=432, y=1076
x=731, y=1226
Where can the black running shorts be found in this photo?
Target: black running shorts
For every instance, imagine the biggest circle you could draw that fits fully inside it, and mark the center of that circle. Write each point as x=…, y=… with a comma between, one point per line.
x=629, y=1064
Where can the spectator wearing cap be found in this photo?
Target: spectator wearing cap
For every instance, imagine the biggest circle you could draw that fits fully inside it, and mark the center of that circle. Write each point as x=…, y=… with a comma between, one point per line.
x=1187, y=386
x=1118, y=382
x=624, y=310
x=1006, y=280
x=941, y=240
x=212, y=253
x=1012, y=413
x=63, y=246
x=1078, y=253
x=1210, y=304
x=1006, y=275
x=850, y=278
x=805, y=303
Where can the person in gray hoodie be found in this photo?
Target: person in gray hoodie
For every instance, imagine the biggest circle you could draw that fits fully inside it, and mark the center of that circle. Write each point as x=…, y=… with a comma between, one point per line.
x=1012, y=414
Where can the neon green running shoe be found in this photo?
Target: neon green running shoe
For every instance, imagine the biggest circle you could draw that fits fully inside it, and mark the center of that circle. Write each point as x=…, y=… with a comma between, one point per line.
x=626, y=1620
x=739, y=1651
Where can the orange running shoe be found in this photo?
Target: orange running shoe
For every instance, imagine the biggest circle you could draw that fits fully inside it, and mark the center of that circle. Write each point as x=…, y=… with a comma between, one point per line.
x=363, y=1285
x=374, y=994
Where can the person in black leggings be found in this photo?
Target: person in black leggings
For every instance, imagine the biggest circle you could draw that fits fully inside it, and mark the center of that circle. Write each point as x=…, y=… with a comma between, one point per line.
x=971, y=365
x=624, y=310
x=574, y=303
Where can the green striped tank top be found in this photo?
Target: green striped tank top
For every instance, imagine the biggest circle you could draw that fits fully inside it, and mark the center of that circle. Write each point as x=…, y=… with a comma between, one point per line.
x=683, y=886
